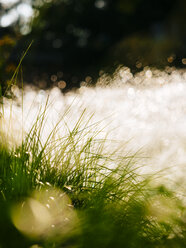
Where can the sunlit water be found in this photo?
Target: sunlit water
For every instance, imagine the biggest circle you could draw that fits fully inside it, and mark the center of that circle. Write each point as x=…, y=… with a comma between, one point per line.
x=144, y=113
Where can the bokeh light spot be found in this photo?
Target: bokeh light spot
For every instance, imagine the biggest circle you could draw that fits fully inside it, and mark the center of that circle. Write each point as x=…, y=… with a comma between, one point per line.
x=53, y=78
x=100, y=4
x=184, y=61
x=138, y=64
x=88, y=79
x=170, y=59
x=9, y=18
x=148, y=73
x=39, y=215
x=62, y=84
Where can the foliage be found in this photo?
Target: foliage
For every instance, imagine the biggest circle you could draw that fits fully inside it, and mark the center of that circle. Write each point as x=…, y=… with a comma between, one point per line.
x=7, y=68
x=138, y=51
x=78, y=38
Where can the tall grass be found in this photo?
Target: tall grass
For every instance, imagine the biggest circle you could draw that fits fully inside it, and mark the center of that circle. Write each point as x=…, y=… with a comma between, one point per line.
x=69, y=192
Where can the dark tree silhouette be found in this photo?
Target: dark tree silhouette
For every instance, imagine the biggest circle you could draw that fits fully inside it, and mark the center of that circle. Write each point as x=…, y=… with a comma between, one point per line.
x=80, y=37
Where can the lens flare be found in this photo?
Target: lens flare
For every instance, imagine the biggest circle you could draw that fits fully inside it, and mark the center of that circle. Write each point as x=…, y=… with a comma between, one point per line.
x=45, y=214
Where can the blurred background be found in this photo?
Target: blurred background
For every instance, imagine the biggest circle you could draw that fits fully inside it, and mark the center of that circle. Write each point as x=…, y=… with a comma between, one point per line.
x=78, y=40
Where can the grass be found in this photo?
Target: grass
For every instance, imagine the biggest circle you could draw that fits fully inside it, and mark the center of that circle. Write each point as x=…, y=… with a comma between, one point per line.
x=68, y=192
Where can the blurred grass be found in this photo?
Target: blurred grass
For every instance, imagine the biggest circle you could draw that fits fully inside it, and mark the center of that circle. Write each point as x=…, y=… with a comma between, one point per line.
x=7, y=43
x=69, y=192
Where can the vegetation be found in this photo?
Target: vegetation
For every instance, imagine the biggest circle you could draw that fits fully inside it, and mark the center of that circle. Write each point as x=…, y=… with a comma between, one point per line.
x=75, y=39
x=68, y=192
x=7, y=43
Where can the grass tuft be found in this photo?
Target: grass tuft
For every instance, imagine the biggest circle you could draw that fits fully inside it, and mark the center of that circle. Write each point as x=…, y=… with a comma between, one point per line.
x=70, y=192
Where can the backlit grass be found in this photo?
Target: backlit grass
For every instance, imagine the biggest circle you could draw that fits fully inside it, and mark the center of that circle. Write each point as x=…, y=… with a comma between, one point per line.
x=69, y=191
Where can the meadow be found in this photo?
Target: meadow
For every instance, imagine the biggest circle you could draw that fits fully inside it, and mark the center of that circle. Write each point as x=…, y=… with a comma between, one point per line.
x=102, y=166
